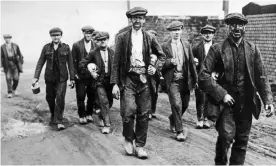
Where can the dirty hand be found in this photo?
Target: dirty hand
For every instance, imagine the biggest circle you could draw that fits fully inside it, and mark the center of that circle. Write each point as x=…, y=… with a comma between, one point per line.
x=227, y=99
x=174, y=61
x=116, y=92
x=196, y=61
x=94, y=75
x=151, y=70
x=215, y=75
x=2, y=69
x=269, y=110
x=91, y=67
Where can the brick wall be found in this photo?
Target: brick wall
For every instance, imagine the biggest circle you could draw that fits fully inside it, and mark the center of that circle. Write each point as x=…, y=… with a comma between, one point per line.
x=192, y=25
x=261, y=30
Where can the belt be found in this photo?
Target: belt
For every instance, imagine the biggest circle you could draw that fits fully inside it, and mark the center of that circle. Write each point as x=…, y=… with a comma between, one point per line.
x=138, y=70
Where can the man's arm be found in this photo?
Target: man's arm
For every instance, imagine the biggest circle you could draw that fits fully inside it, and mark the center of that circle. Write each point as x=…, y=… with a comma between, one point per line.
x=115, y=72
x=84, y=62
x=75, y=58
x=167, y=64
x=206, y=82
x=20, y=55
x=40, y=64
x=261, y=80
x=70, y=64
x=158, y=51
x=2, y=58
x=192, y=66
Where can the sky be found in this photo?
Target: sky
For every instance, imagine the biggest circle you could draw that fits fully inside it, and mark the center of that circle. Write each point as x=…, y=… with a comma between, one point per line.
x=29, y=22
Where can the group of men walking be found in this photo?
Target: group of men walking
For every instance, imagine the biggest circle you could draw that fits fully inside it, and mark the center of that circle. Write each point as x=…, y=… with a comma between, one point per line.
x=226, y=77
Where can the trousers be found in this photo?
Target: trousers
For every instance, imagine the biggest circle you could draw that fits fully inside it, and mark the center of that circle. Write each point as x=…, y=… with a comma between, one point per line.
x=135, y=102
x=12, y=78
x=179, y=97
x=84, y=88
x=233, y=126
x=105, y=97
x=201, y=104
x=55, y=97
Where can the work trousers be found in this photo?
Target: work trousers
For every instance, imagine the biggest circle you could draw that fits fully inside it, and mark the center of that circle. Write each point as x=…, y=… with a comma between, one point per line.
x=12, y=78
x=233, y=125
x=55, y=96
x=135, y=100
x=104, y=93
x=84, y=87
x=179, y=97
x=201, y=104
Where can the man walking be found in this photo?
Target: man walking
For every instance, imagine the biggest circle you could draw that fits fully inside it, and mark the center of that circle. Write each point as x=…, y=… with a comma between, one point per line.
x=244, y=76
x=83, y=78
x=102, y=57
x=180, y=76
x=11, y=64
x=58, y=58
x=200, y=51
x=131, y=73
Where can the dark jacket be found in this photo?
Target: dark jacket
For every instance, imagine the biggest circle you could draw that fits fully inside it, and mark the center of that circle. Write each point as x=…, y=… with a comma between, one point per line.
x=221, y=55
x=122, y=55
x=199, y=53
x=78, y=53
x=168, y=69
x=96, y=58
x=65, y=60
x=18, y=57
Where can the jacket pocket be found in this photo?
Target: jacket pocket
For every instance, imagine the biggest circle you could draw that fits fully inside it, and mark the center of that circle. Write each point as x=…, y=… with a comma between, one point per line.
x=63, y=56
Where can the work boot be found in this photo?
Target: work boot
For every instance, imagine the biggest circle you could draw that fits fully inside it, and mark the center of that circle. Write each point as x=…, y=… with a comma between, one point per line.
x=150, y=116
x=128, y=145
x=199, y=124
x=206, y=124
x=83, y=121
x=16, y=93
x=97, y=111
x=9, y=95
x=101, y=123
x=89, y=118
x=180, y=137
x=141, y=153
x=106, y=130
x=60, y=127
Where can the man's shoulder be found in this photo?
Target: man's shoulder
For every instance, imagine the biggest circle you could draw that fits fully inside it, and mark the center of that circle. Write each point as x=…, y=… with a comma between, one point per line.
x=78, y=42
x=251, y=44
x=65, y=45
x=123, y=34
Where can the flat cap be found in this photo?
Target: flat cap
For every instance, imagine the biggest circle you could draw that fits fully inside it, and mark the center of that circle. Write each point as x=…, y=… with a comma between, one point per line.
x=175, y=25
x=55, y=30
x=152, y=32
x=87, y=28
x=102, y=35
x=7, y=36
x=136, y=11
x=235, y=17
x=95, y=33
x=208, y=28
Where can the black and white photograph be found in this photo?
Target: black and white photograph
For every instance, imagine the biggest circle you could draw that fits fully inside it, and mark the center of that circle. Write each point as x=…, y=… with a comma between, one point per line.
x=138, y=82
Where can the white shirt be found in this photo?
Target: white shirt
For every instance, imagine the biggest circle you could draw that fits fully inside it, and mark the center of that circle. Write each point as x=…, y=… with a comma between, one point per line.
x=207, y=46
x=87, y=46
x=104, y=55
x=178, y=53
x=137, y=47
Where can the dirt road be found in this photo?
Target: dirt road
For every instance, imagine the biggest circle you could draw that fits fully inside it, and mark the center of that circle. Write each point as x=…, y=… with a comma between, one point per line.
x=26, y=138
